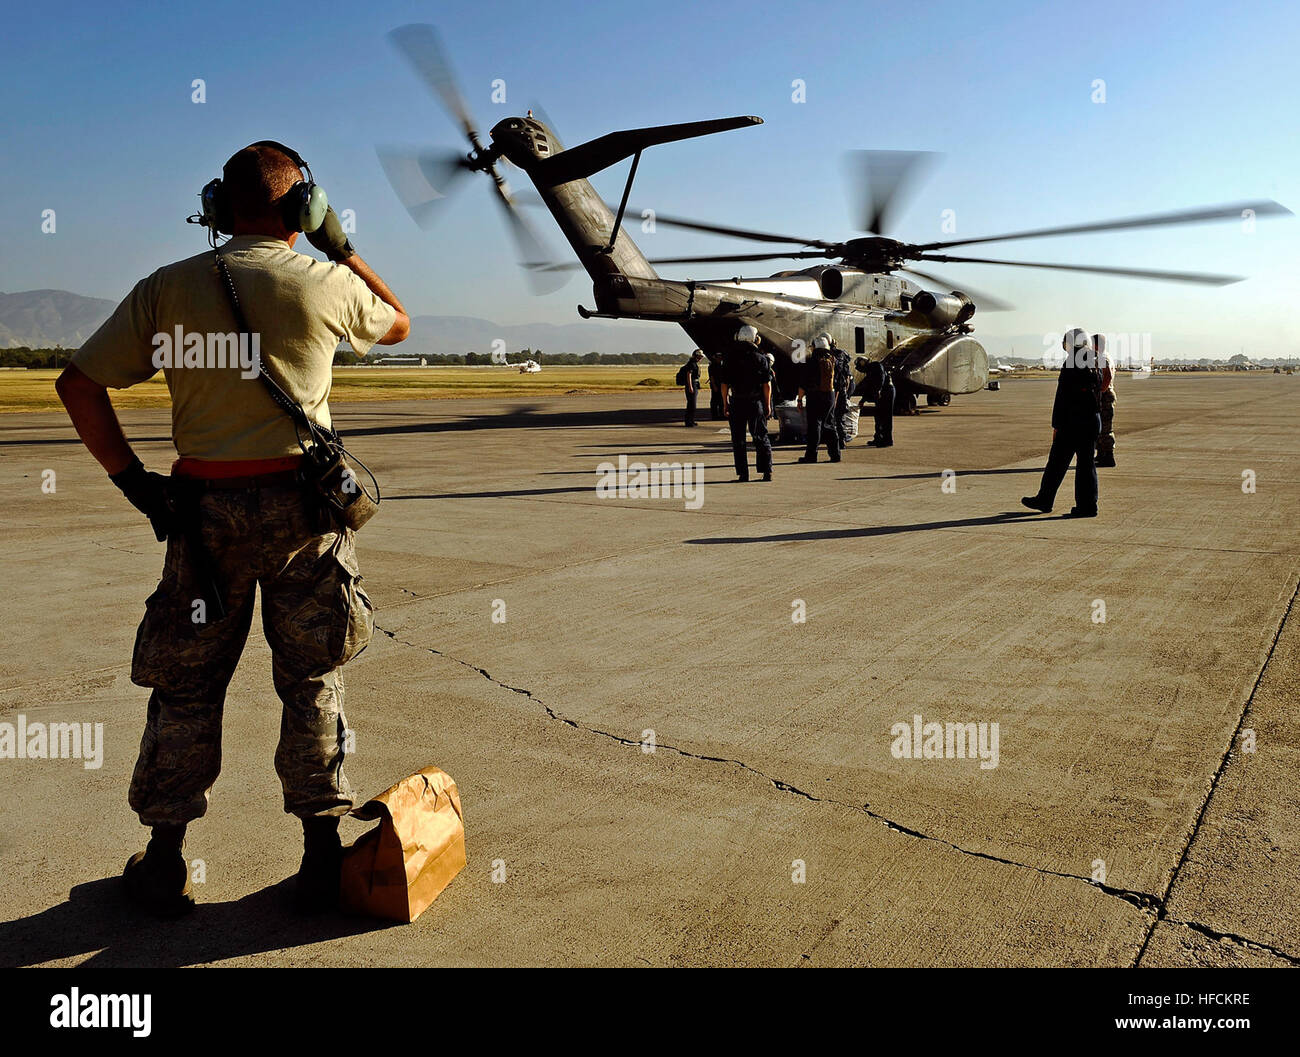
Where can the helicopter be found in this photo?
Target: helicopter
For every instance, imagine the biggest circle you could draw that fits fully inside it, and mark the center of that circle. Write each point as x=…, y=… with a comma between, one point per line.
x=923, y=336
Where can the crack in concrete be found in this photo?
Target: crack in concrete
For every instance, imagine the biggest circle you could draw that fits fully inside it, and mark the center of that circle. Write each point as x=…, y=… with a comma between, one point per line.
x=1161, y=907
x=1142, y=900
x=1149, y=904
x=1213, y=934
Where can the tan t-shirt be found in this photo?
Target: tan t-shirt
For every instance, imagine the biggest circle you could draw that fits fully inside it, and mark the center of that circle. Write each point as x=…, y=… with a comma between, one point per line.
x=180, y=320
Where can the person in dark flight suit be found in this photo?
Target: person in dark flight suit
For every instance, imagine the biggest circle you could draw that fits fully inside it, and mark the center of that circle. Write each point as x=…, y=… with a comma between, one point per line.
x=715, y=387
x=884, y=437
x=1076, y=424
x=819, y=401
x=690, y=375
x=747, y=399
x=843, y=383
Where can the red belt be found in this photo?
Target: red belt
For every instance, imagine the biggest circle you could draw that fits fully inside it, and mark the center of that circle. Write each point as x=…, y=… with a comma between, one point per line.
x=237, y=474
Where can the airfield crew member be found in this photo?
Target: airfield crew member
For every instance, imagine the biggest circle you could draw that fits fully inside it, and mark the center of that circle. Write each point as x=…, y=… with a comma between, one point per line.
x=868, y=387
x=689, y=379
x=1076, y=422
x=885, y=396
x=234, y=512
x=747, y=398
x=715, y=387
x=843, y=382
x=1106, y=442
x=819, y=391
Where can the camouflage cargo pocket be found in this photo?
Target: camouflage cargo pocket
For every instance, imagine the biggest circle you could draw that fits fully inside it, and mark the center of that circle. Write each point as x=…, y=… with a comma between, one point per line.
x=180, y=647
x=355, y=631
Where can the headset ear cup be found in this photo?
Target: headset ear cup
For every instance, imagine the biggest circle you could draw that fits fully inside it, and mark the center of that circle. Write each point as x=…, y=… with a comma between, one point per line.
x=216, y=209
x=292, y=206
x=315, y=204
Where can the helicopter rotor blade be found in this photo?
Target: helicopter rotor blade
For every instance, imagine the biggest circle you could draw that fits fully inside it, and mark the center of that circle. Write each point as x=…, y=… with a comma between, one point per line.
x=533, y=255
x=1201, y=278
x=984, y=302
x=725, y=258
x=740, y=233
x=422, y=179
x=420, y=45
x=1236, y=211
x=882, y=181
x=531, y=198
x=569, y=266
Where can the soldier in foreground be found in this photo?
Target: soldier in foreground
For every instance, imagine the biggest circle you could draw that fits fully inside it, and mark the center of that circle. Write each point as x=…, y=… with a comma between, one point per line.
x=234, y=513
x=1105, y=442
x=1076, y=421
x=747, y=400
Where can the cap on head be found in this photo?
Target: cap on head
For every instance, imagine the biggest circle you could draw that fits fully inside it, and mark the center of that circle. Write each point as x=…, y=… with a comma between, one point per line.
x=771, y=359
x=861, y=363
x=822, y=341
x=748, y=334
x=697, y=355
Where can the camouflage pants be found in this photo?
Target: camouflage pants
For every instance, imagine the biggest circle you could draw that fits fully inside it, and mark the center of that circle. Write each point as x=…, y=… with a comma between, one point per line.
x=315, y=616
x=1106, y=442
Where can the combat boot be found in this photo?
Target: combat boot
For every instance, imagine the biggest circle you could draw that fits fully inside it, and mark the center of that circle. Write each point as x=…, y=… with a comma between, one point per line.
x=322, y=860
x=1034, y=503
x=158, y=878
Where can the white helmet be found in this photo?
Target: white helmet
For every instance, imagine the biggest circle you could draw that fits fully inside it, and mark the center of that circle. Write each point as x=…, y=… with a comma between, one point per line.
x=747, y=334
x=822, y=341
x=771, y=360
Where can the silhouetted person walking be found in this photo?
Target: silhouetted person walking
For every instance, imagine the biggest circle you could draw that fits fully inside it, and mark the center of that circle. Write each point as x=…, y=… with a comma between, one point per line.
x=1076, y=423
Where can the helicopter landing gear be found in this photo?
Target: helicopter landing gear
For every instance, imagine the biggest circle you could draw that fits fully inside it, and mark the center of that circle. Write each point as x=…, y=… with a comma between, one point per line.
x=938, y=400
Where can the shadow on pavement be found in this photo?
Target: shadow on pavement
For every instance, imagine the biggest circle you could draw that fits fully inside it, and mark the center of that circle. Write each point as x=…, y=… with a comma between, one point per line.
x=97, y=920
x=959, y=473
x=528, y=418
x=877, y=530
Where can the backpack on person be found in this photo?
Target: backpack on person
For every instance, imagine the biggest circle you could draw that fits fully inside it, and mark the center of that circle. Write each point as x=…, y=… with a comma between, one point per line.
x=824, y=370
x=843, y=373
x=682, y=373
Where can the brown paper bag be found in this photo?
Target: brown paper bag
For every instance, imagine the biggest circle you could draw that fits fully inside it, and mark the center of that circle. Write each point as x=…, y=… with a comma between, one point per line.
x=397, y=869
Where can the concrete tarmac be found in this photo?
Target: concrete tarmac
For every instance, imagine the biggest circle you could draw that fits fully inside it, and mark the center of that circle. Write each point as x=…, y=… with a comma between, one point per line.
x=659, y=763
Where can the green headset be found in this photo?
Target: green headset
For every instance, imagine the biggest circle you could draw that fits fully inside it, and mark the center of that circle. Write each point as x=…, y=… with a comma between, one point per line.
x=302, y=207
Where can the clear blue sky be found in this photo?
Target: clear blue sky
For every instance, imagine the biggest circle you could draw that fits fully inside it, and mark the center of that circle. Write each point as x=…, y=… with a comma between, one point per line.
x=1201, y=108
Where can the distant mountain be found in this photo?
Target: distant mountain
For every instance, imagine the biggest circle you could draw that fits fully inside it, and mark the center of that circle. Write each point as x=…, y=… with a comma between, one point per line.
x=44, y=319
x=48, y=318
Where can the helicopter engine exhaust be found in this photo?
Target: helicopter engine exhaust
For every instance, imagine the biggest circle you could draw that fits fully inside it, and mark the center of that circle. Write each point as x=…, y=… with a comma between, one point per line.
x=943, y=310
x=831, y=281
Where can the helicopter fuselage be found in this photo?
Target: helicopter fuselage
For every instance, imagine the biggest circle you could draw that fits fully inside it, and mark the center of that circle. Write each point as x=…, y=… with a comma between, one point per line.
x=924, y=337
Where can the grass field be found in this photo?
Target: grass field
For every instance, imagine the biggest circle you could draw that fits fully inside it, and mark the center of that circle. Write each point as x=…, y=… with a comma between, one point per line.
x=22, y=390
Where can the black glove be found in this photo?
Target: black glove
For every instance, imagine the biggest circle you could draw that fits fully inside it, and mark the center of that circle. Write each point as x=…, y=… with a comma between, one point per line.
x=330, y=238
x=147, y=492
